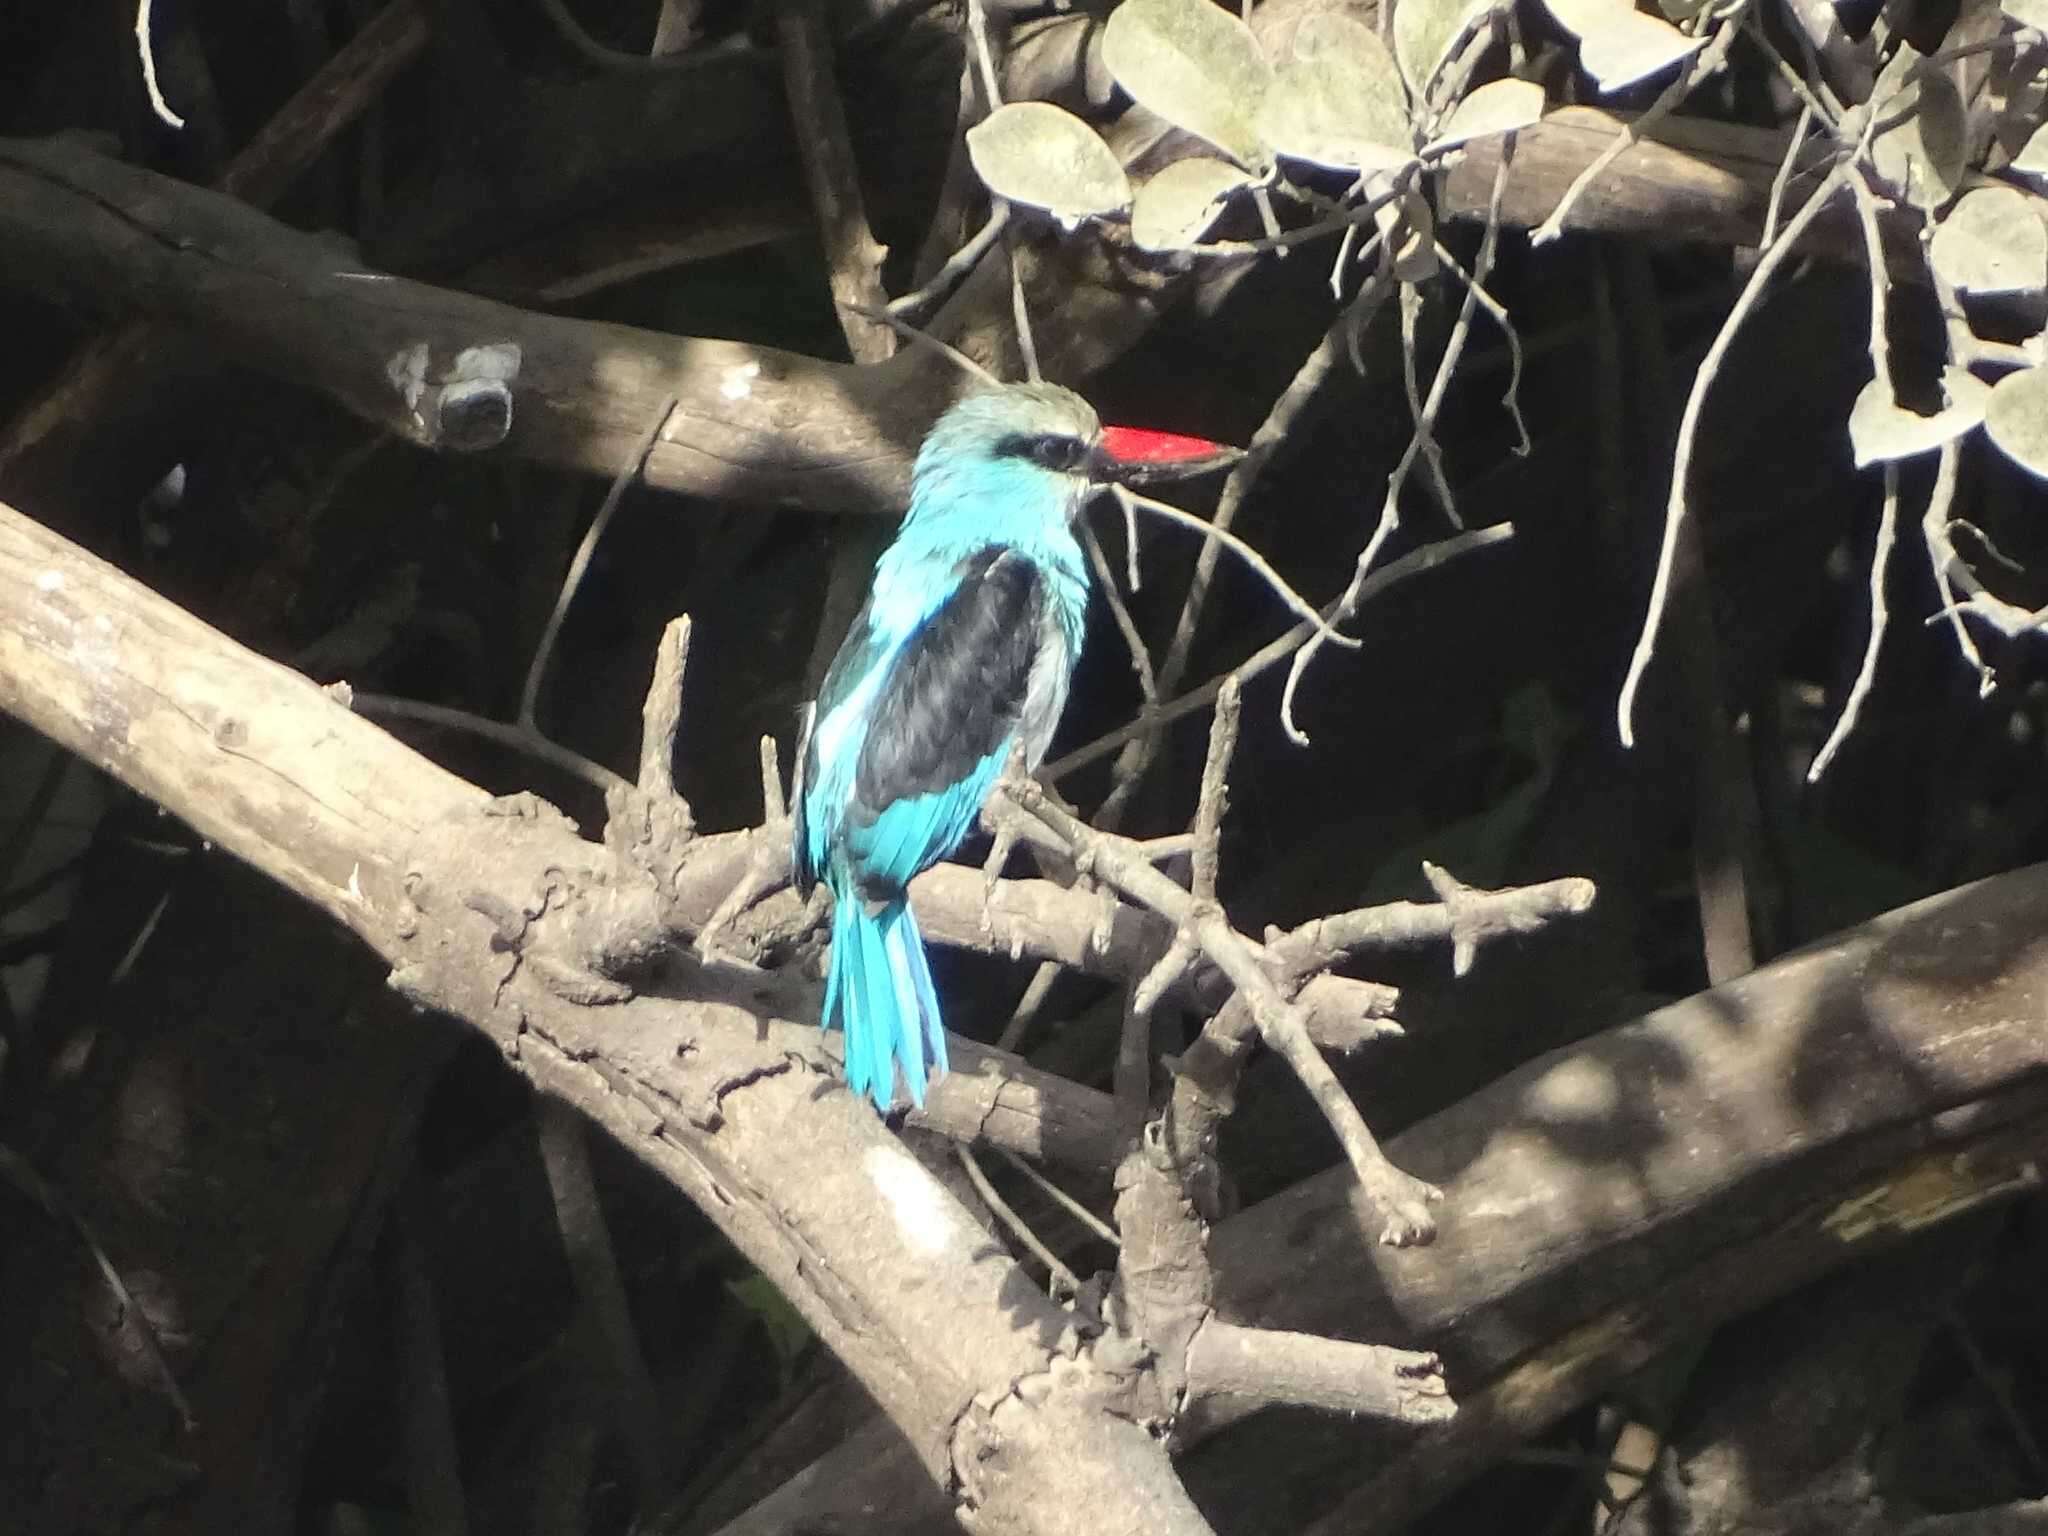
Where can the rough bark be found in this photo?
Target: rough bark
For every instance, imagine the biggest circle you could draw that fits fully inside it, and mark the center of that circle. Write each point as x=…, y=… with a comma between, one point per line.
x=1007, y=1403
x=750, y=423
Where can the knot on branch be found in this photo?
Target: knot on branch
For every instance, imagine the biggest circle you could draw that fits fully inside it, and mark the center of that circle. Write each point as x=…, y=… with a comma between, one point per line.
x=466, y=406
x=579, y=920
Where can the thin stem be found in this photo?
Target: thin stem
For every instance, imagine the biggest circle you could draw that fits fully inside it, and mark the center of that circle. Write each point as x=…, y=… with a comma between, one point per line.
x=1688, y=430
x=1251, y=557
x=536, y=672
x=1866, y=674
x=1061, y=1275
x=1063, y=1200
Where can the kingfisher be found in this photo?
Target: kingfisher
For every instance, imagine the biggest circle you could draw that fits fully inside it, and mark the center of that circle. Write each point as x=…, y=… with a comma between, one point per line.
x=959, y=661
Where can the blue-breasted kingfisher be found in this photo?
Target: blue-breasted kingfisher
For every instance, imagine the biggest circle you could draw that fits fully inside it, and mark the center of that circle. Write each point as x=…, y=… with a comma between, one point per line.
x=959, y=662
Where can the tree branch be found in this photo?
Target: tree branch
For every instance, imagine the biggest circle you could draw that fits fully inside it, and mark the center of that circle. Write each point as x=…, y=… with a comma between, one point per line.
x=480, y=907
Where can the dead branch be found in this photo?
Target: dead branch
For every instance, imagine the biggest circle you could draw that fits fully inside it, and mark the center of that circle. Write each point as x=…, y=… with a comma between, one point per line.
x=82, y=228
x=1270, y=1365
x=1760, y=1134
x=333, y=98
x=468, y=899
x=79, y=227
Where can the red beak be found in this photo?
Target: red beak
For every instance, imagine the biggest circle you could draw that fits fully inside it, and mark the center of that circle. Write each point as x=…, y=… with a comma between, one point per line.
x=1134, y=456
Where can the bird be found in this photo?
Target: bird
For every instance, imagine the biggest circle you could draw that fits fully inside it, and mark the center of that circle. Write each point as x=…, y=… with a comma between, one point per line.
x=958, y=662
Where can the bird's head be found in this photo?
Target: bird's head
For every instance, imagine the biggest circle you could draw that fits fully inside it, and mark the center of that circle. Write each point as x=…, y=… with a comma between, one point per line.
x=1039, y=451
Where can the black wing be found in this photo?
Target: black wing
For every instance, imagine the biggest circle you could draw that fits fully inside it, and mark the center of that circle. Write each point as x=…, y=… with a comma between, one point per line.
x=957, y=687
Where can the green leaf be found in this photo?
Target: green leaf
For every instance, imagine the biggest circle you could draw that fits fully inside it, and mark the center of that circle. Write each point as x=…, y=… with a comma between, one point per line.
x=2016, y=419
x=1921, y=148
x=1339, y=101
x=1992, y=241
x=1880, y=429
x=1424, y=31
x=1033, y=152
x=1498, y=107
x=1618, y=45
x=1178, y=206
x=1197, y=66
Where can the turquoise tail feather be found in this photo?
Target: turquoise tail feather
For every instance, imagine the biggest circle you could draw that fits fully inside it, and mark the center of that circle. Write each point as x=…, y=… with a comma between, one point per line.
x=879, y=990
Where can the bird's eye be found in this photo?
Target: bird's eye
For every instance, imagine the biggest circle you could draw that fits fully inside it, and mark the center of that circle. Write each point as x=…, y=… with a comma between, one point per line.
x=1060, y=453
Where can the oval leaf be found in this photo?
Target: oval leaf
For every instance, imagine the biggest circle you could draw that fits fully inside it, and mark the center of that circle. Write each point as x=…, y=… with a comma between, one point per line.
x=1618, y=45
x=1424, y=31
x=2016, y=418
x=1992, y=242
x=1177, y=207
x=1880, y=429
x=1498, y=107
x=1033, y=152
x=1197, y=66
x=2032, y=161
x=1633, y=47
x=1339, y=100
x=1921, y=147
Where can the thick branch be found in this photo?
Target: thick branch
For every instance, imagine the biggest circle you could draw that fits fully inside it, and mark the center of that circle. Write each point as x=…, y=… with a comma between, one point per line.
x=1610, y=1197
x=479, y=905
x=80, y=227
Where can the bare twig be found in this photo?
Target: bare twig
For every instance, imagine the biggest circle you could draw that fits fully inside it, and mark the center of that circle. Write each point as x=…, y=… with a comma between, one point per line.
x=147, y=51
x=1021, y=312
x=917, y=338
x=517, y=738
x=1064, y=1279
x=1783, y=179
x=1888, y=519
x=1511, y=397
x=661, y=714
x=1815, y=99
x=1431, y=452
x=1688, y=430
x=1131, y=1074
x=1141, y=659
x=1063, y=1200
x=1402, y=1200
x=1463, y=914
x=914, y=305
x=1415, y=563
x=768, y=865
x=1287, y=413
x=1880, y=284
x=536, y=672
x=1215, y=790
x=1251, y=557
x=1025, y=1014
x=17, y=1171
x=587, y=1242
x=1390, y=506
x=1948, y=566
x=853, y=256
x=1270, y=1365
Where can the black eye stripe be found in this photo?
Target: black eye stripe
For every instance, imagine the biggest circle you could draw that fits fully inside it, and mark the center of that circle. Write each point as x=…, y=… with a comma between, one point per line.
x=1047, y=450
